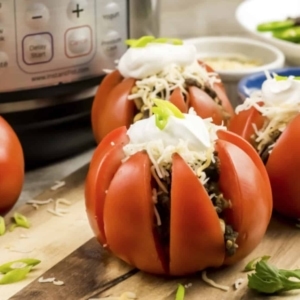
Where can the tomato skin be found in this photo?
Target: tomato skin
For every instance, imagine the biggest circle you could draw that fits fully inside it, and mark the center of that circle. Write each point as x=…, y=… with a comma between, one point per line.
x=12, y=166
x=129, y=215
x=196, y=241
x=112, y=109
x=220, y=91
x=204, y=105
x=242, y=123
x=283, y=168
x=107, y=152
x=119, y=198
x=108, y=84
x=246, y=189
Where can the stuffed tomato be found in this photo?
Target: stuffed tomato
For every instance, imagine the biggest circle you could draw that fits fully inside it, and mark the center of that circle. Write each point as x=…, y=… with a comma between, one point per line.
x=270, y=121
x=170, y=195
x=153, y=69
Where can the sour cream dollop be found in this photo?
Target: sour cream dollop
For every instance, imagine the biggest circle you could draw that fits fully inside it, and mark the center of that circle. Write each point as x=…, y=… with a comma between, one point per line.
x=154, y=57
x=276, y=92
x=192, y=129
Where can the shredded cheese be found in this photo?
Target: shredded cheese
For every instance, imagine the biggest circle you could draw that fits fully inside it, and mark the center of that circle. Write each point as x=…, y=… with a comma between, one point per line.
x=58, y=211
x=58, y=185
x=212, y=283
x=124, y=296
x=172, y=76
x=238, y=283
x=50, y=280
x=36, y=203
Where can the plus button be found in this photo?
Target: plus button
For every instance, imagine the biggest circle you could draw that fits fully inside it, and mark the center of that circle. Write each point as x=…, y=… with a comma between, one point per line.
x=77, y=11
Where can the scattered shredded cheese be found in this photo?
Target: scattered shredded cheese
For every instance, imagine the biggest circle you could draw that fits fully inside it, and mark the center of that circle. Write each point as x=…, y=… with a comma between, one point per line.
x=36, y=203
x=212, y=283
x=58, y=282
x=58, y=185
x=124, y=296
x=238, y=283
x=50, y=280
x=58, y=211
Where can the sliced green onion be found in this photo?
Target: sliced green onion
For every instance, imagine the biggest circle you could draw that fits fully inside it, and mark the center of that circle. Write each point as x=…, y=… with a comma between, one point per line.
x=21, y=220
x=168, y=40
x=251, y=265
x=145, y=40
x=12, y=227
x=180, y=292
x=18, y=264
x=15, y=275
x=2, y=226
x=141, y=42
x=163, y=110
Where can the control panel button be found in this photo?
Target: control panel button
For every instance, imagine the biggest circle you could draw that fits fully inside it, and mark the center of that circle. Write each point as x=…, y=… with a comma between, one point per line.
x=111, y=12
x=78, y=41
x=37, y=48
x=77, y=10
x=37, y=15
x=3, y=62
x=111, y=43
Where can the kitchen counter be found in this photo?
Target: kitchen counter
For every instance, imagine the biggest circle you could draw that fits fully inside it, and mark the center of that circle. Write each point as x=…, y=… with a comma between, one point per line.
x=208, y=18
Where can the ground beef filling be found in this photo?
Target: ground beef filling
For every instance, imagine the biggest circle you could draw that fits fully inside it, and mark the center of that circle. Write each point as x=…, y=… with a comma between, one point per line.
x=265, y=151
x=163, y=208
x=142, y=111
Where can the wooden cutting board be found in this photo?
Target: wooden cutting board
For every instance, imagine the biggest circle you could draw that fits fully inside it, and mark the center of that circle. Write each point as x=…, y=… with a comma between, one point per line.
x=69, y=252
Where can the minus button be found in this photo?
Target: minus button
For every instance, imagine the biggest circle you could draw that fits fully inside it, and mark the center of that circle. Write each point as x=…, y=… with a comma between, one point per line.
x=37, y=15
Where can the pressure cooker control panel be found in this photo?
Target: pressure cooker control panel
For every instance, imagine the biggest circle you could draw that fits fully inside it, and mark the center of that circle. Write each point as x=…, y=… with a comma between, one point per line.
x=50, y=42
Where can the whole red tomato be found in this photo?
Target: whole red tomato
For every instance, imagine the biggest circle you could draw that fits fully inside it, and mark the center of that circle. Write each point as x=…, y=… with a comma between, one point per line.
x=120, y=207
x=12, y=166
x=282, y=163
x=112, y=109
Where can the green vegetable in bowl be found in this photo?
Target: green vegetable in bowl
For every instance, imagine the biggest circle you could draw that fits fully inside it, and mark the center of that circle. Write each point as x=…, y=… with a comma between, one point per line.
x=275, y=25
x=290, y=34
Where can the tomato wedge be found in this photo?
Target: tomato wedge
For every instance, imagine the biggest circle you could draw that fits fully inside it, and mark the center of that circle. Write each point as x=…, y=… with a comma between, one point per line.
x=129, y=215
x=192, y=235
x=250, y=223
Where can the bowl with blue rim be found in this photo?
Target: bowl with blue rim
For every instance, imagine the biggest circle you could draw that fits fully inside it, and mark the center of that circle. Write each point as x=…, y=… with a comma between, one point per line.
x=253, y=83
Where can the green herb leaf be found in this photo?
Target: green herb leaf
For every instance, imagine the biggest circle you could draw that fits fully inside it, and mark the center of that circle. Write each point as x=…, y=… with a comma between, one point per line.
x=18, y=264
x=2, y=226
x=269, y=280
x=21, y=220
x=15, y=275
x=163, y=110
x=252, y=264
x=180, y=292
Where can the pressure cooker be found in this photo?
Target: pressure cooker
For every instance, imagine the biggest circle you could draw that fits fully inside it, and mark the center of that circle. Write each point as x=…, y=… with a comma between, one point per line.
x=53, y=55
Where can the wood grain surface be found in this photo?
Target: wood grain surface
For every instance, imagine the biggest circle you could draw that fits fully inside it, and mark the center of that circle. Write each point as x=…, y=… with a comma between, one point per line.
x=69, y=253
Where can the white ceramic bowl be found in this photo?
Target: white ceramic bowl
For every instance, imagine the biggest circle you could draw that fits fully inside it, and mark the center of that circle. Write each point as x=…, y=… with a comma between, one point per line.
x=250, y=13
x=269, y=56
